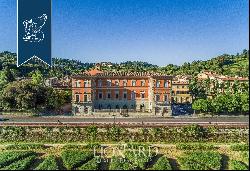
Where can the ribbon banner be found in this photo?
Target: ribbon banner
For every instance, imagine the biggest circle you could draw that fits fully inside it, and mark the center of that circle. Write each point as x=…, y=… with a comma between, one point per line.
x=33, y=30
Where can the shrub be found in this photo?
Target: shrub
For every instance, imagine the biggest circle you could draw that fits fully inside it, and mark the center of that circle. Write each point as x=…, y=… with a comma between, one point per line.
x=21, y=164
x=92, y=164
x=198, y=160
x=195, y=146
x=138, y=159
x=245, y=156
x=73, y=147
x=120, y=164
x=239, y=147
x=72, y=159
x=237, y=165
x=7, y=158
x=49, y=163
x=162, y=164
x=25, y=146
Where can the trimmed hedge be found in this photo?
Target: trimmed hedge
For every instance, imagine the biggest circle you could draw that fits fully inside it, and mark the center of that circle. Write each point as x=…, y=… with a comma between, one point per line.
x=25, y=146
x=237, y=165
x=162, y=164
x=92, y=164
x=49, y=163
x=64, y=134
x=195, y=146
x=73, y=159
x=21, y=164
x=138, y=159
x=239, y=147
x=7, y=158
x=118, y=163
x=198, y=160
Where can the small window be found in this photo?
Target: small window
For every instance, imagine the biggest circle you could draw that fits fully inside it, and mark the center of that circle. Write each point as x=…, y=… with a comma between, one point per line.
x=117, y=95
x=109, y=83
x=158, y=83
x=77, y=98
x=99, y=83
x=100, y=95
x=165, y=98
x=133, y=95
x=109, y=95
x=166, y=83
x=85, y=98
x=125, y=95
x=142, y=83
x=117, y=82
x=142, y=95
x=85, y=84
x=157, y=97
x=133, y=83
x=124, y=83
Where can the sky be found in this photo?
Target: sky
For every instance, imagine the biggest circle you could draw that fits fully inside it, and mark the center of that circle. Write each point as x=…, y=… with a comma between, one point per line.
x=155, y=31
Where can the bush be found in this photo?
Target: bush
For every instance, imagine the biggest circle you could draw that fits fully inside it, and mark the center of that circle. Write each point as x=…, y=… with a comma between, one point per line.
x=162, y=164
x=138, y=159
x=25, y=146
x=93, y=164
x=239, y=147
x=21, y=164
x=245, y=156
x=48, y=164
x=73, y=159
x=198, y=160
x=120, y=164
x=237, y=165
x=7, y=158
x=195, y=146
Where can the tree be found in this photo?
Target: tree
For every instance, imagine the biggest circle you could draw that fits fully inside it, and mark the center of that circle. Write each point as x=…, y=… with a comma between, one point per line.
x=37, y=77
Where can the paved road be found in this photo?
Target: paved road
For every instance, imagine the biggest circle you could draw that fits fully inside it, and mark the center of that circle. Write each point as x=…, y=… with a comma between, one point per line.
x=234, y=120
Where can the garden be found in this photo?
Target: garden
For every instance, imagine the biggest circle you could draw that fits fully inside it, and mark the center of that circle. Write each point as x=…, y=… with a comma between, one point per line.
x=125, y=156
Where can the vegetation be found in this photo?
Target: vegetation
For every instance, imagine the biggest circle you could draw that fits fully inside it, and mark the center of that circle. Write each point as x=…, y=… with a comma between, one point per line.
x=162, y=164
x=25, y=146
x=195, y=146
x=134, y=159
x=64, y=134
x=49, y=163
x=237, y=165
x=8, y=157
x=73, y=159
x=201, y=161
x=240, y=147
x=21, y=164
x=92, y=164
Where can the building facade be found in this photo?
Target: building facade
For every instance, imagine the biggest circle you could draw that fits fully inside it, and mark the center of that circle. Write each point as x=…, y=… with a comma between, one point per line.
x=180, y=92
x=97, y=91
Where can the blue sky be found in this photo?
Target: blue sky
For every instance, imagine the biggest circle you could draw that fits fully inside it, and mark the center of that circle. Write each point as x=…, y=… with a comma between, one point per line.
x=155, y=31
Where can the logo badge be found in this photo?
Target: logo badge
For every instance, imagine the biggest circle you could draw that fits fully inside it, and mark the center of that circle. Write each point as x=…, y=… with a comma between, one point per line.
x=33, y=31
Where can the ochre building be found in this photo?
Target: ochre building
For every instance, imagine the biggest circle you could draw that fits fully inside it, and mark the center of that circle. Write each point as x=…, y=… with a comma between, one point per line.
x=96, y=91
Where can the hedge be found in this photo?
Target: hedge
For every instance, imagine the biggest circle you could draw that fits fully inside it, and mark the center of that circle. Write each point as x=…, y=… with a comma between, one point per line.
x=138, y=159
x=7, y=158
x=64, y=134
x=239, y=147
x=73, y=159
x=49, y=163
x=118, y=163
x=237, y=165
x=25, y=146
x=198, y=160
x=162, y=164
x=92, y=164
x=23, y=164
x=195, y=146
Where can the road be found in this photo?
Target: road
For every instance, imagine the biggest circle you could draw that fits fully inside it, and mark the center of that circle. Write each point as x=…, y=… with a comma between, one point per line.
x=159, y=120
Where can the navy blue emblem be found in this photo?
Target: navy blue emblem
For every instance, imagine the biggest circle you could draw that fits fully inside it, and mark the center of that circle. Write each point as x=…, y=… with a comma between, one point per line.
x=34, y=31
